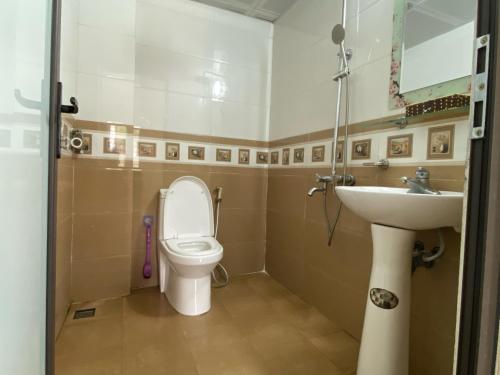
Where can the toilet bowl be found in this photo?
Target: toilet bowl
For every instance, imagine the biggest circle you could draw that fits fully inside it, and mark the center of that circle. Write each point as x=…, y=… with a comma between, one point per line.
x=187, y=247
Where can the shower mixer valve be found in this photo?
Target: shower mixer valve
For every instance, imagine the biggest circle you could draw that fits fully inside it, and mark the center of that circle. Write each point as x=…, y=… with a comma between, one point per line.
x=326, y=179
x=347, y=180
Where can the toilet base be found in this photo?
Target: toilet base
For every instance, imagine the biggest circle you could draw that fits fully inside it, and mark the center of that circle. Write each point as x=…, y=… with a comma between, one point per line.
x=189, y=296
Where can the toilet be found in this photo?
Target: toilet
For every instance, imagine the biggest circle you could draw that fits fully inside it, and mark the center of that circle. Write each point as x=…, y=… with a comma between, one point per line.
x=188, y=251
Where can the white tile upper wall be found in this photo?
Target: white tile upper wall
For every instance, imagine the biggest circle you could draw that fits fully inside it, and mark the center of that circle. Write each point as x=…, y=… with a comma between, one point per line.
x=106, y=60
x=174, y=65
x=115, y=16
x=304, y=60
x=207, y=70
x=207, y=32
x=106, y=54
x=69, y=48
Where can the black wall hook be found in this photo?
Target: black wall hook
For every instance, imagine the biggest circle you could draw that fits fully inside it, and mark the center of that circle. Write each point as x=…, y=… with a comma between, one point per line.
x=73, y=109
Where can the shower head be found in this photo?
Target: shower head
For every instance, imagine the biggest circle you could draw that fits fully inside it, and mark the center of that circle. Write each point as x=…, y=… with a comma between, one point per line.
x=338, y=34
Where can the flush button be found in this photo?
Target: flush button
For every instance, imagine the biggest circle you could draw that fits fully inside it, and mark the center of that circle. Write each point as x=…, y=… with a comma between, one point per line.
x=383, y=298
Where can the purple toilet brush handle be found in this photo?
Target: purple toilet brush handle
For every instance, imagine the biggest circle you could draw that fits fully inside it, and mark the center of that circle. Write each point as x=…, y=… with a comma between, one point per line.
x=147, y=270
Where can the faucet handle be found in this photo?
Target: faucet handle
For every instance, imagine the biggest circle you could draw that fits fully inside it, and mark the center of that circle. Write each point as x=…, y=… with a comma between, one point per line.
x=422, y=173
x=320, y=178
x=404, y=180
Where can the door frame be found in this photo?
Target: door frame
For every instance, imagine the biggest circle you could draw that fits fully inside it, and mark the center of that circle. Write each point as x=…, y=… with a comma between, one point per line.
x=54, y=121
x=479, y=300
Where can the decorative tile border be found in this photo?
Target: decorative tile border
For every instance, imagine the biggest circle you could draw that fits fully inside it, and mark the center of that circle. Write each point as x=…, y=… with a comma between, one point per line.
x=223, y=154
x=361, y=149
x=196, y=153
x=316, y=153
x=172, y=151
x=339, y=158
x=262, y=157
x=146, y=149
x=275, y=157
x=114, y=145
x=244, y=156
x=440, y=142
x=298, y=155
x=285, y=160
x=400, y=146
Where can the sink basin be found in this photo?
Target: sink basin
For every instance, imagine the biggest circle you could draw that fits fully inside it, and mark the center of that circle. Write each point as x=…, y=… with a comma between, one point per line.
x=396, y=208
x=395, y=215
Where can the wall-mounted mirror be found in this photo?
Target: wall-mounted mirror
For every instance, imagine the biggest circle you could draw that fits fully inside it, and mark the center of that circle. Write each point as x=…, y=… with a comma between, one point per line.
x=432, y=53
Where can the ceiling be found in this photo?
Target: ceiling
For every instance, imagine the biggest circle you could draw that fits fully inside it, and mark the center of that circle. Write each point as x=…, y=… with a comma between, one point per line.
x=268, y=10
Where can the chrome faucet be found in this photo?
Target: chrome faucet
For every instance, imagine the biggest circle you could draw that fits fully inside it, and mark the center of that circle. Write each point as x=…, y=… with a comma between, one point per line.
x=325, y=180
x=315, y=189
x=420, y=184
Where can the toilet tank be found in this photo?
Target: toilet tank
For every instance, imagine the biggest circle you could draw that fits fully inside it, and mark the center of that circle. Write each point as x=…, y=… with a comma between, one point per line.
x=161, y=213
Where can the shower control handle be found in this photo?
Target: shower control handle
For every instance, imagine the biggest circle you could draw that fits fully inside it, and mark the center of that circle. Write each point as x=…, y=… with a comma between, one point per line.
x=326, y=179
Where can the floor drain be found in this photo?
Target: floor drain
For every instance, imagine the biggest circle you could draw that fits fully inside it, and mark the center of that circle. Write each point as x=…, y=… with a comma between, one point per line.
x=86, y=313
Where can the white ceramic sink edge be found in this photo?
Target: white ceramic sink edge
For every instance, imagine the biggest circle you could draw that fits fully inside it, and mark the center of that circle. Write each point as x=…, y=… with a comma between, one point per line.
x=396, y=207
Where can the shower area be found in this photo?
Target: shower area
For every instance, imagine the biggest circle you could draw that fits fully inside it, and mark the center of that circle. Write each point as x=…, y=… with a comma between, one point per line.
x=264, y=101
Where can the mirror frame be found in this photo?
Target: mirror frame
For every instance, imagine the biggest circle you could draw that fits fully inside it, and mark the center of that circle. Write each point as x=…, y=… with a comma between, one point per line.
x=399, y=100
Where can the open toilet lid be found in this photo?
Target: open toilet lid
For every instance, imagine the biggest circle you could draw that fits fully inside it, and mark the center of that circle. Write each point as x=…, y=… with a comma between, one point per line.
x=188, y=209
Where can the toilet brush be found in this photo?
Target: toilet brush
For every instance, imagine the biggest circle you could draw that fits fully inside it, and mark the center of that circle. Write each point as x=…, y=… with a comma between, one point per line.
x=147, y=270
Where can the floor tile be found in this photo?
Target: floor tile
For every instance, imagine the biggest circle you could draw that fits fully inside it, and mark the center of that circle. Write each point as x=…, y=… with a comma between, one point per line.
x=255, y=327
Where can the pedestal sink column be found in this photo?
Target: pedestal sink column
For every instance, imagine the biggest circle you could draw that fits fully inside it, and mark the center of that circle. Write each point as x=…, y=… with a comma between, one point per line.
x=385, y=340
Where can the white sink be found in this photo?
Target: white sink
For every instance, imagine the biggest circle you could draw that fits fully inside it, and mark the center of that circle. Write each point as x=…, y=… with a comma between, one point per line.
x=397, y=208
x=395, y=216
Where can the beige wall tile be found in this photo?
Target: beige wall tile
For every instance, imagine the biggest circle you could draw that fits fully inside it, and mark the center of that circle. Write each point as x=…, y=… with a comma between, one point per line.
x=101, y=235
x=348, y=260
x=287, y=194
x=241, y=190
x=146, y=187
x=343, y=304
x=64, y=233
x=62, y=302
x=99, y=190
x=242, y=225
x=65, y=187
x=244, y=257
x=286, y=268
x=96, y=278
x=63, y=248
x=285, y=233
x=434, y=347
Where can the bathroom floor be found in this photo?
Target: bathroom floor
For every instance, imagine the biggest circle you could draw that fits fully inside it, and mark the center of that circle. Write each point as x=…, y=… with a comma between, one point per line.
x=255, y=326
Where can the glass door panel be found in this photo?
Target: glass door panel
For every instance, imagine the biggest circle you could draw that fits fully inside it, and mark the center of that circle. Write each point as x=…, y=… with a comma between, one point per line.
x=25, y=101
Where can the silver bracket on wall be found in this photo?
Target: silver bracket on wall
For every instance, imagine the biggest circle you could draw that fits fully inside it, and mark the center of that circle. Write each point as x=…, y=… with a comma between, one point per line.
x=480, y=87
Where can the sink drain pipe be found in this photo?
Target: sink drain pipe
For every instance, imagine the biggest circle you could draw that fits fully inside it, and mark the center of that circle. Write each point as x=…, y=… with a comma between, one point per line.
x=425, y=258
x=219, y=267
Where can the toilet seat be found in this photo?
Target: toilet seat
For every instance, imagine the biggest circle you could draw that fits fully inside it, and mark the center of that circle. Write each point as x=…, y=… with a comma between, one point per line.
x=194, y=246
